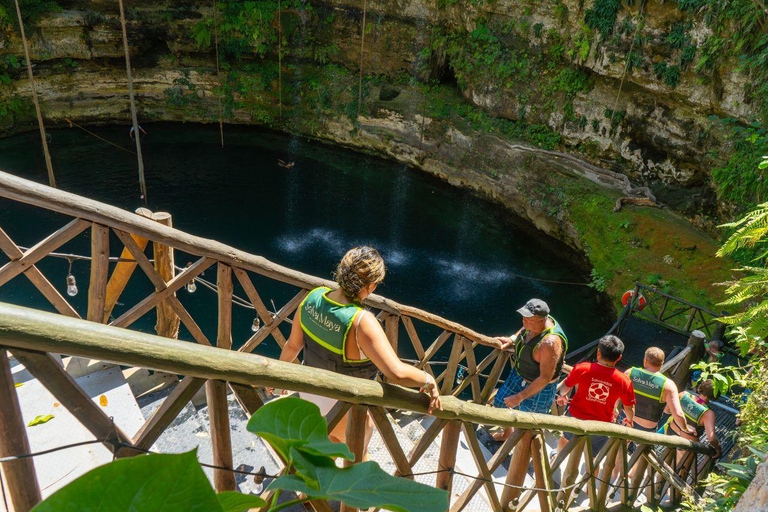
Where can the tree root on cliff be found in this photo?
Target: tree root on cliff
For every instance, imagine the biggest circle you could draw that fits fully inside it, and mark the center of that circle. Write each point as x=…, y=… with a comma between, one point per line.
x=641, y=201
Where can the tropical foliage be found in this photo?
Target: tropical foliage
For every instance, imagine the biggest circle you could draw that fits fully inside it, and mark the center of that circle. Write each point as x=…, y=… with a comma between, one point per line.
x=295, y=429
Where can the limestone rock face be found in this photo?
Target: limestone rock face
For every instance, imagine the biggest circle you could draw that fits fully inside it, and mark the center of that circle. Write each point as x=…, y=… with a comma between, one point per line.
x=625, y=119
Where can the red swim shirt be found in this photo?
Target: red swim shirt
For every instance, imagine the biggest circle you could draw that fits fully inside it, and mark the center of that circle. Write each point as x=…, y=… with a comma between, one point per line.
x=597, y=389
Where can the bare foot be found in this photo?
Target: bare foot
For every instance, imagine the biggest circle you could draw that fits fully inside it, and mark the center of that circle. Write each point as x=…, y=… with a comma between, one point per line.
x=501, y=435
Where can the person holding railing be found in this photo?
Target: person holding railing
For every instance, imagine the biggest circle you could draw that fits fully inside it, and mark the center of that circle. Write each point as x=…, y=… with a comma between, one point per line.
x=336, y=333
x=700, y=415
x=540, y=348
x=654, y=393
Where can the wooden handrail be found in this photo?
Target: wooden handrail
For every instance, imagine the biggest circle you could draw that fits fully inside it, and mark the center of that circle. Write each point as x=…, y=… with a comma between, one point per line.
x=29, y=192
x=32, y=330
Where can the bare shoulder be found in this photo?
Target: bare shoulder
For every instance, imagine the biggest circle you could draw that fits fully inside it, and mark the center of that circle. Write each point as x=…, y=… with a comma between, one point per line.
x=552, y=344
x=670, y=386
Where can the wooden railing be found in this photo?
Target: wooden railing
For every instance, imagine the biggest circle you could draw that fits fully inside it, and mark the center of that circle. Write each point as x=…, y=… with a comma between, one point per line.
x=33, y=335
x=202, y=364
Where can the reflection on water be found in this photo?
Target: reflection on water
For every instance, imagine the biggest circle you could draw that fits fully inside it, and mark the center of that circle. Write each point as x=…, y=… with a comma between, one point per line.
x=447, y=251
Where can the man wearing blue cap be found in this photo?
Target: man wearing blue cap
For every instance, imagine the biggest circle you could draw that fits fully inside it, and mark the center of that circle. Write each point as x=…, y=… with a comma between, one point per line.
x=540, y=348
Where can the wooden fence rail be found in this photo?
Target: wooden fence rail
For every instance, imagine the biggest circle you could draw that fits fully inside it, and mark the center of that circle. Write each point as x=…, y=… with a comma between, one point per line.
x=32, y=335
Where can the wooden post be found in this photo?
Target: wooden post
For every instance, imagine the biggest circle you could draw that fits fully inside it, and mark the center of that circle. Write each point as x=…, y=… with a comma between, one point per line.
x=518, y=467
x=123, y=271
x=167, y=320
x=542, y=472
x=97, y=286
x=683, y=373
x=19, y=474
x=571, y=471
x=216, y=391
x=605, y=474
x=391, y=328
x=356, y=433
x=447, y=459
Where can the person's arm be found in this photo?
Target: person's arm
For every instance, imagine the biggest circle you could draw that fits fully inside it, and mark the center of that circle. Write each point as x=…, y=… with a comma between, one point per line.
x=629, y=412
x=508, y=341
x=674, y=408
x=295, y=342
x=550, y=350
x=373, y=341
x=562, y=395
x=709, y=429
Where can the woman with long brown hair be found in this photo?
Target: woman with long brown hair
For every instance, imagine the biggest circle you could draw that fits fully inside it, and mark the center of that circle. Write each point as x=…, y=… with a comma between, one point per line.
x=338, y=334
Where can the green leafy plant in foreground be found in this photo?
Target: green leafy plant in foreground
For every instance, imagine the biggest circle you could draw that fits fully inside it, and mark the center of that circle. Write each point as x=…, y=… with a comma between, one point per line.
x=295, y=429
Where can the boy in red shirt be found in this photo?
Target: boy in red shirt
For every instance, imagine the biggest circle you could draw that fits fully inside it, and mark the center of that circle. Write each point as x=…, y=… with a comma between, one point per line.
x=598, y=387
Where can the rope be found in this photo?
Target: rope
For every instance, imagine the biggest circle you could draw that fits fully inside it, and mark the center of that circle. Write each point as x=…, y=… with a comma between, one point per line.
x=43, y=136
x=134, y=117
x=72, y=123
x=626, y=66
x=262, y=473
x=218, y=70
x=362, y=46
x=280, y=58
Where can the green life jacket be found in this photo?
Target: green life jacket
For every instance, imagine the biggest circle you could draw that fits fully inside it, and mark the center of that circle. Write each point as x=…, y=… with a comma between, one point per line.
x=526, y=366
x=326, y=324
x=649, y=390
x=693, y=411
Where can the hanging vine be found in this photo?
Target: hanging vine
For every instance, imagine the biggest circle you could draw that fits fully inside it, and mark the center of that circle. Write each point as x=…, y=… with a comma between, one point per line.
x=362, y=47
x=218, y=68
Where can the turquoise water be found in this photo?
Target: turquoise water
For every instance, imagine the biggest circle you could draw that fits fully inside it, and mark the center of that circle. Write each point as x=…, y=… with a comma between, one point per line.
x=447, y=250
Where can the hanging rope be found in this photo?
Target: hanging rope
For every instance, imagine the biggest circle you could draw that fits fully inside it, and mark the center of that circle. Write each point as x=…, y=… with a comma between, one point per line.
x=73, y=124
x=629, y=59
x=43, y=136
x=280, y=58
x=218, y=69
x=134, y=117
x=362, y=45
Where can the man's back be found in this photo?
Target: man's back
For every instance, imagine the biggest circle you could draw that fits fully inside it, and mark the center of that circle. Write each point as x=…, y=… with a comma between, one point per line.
x=598, y=388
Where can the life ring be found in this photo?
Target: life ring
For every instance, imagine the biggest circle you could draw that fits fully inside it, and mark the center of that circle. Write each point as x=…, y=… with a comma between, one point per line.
x=628, y=295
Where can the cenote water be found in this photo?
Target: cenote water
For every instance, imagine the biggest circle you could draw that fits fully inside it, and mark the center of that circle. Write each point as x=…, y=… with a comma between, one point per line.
x=447, y=250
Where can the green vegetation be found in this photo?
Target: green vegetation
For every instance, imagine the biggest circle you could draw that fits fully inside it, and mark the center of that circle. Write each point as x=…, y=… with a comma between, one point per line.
x=12, y=106
x=749, y=332
x=296, y=431
x=741, y=180
x=602, y=16
x=31, y=11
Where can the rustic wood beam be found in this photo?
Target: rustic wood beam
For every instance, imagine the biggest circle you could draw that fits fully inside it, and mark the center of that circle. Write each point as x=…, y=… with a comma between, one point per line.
x=29, y=329
x=173, y=404
x=336, y=414
x=216, y=391
x=355, y=436
x=425, y=442
x=416, y=342
x=123, y=270
x=258, y=304
x=146, y=266
x=387, y=432
x=477, y=454
x=157, y=297
x=281, y=315
x=97, y=285
x=167, y=320
x=518, y=468
x=249, y=398
x=391, y=329
x=29, y=192
x=447, y=459
x=42, y=249
x=38, y=279
x=542, y=473
x=19, y=474
x=47, y=370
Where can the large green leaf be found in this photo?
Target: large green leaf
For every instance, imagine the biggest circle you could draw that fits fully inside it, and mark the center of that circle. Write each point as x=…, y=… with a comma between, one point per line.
x=366, y=485
x=233, y=501
x=292, y=423
x=157, y=482
x=305, y=466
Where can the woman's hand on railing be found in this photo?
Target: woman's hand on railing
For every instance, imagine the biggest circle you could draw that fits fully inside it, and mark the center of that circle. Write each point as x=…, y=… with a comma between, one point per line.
x=561, y=400
x=430, y=388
